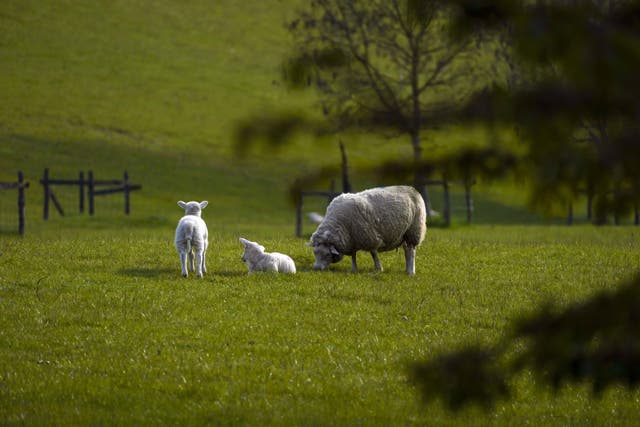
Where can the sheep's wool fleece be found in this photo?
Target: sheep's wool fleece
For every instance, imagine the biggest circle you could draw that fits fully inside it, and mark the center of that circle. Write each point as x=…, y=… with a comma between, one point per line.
x=379, y=219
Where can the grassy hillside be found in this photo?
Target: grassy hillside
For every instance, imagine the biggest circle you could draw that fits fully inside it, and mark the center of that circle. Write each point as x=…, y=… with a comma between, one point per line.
x=152, y=87
x=157, y=88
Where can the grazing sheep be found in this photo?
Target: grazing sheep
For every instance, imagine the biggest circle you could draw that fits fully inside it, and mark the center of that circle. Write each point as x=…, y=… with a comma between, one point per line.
x=259, y=260
x=192, y=237
x=376, y=220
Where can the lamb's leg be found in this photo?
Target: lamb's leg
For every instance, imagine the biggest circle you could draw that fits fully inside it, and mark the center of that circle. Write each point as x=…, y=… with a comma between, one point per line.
x=191, y=264
x=410, y=258
x=183, y=263
x=354, y=264
x=204, y=264
x=376, y=261
x=199, y=263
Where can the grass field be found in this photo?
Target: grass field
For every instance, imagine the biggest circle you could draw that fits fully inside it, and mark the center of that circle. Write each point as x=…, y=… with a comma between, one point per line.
x=98, y=327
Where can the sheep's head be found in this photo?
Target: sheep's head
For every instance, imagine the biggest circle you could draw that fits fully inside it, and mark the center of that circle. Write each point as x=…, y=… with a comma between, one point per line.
x=193, y=208
x=325, y=252
x=250, y=248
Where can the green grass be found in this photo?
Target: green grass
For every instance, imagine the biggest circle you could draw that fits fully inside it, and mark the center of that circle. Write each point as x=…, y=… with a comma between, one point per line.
x=98, y=327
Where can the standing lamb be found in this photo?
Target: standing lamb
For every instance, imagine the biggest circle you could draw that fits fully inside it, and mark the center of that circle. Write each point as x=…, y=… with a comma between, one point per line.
x=192, y=237
x=259, y=260
x=375, y=220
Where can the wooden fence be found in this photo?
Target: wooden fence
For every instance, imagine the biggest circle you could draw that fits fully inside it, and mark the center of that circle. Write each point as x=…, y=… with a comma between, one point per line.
x=19, y=185
x=91, y=186
x=446, y=214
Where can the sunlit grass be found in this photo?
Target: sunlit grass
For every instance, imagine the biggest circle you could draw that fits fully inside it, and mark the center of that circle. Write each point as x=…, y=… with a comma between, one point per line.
x=99, y=327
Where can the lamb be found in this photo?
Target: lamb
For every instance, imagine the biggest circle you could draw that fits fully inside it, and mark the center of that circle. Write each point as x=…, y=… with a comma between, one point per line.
x=192, y=237
x=375, y=220
x=258, y=260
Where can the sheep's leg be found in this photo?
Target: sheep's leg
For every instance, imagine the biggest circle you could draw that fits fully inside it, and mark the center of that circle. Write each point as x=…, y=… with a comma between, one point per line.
x=183, y=263
x=354, y=264
x=191, y=264
x=204, y=264
x=410, y=258
x=199, y=263
x=376, y=261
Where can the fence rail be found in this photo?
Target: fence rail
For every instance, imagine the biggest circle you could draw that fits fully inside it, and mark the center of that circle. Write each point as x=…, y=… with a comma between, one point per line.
x=19, y=185
x=90, y=184
x=331, y=194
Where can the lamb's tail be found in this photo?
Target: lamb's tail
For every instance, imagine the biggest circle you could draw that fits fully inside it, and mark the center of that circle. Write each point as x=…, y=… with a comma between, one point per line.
x=188, y=242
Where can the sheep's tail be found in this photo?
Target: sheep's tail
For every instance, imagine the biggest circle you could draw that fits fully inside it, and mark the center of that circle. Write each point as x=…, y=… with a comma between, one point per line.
x=188, y=245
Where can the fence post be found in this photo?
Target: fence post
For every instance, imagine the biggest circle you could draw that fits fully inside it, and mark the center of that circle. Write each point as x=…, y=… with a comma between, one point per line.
x=447, y=203
x=126, y=193
x=81, y=193
x=21, y=202
x=47, y=195
x=90, y=191
x=468, y=201
x=299, y=215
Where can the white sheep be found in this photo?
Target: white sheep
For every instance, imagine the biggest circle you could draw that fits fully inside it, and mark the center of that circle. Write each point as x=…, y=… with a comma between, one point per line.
x=375, y=220
x=192, y=237
x=258, y=260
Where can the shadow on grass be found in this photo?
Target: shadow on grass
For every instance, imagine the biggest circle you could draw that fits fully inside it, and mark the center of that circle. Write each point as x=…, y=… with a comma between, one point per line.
x=147, y=272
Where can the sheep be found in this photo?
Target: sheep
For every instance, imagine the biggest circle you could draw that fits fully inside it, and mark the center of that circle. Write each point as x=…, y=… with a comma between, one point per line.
x=192, y=237
x=375, y=220
x=258, y=260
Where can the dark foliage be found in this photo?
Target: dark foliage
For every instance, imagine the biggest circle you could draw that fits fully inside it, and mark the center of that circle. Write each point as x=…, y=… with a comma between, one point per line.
x=469, y=376
x=597, y=341
x=573, y=94
x=576, y=105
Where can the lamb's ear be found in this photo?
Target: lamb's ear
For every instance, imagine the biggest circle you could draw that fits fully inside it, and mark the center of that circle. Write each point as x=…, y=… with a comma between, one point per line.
x=203, y=204
x=182, y=204
x=244, y=241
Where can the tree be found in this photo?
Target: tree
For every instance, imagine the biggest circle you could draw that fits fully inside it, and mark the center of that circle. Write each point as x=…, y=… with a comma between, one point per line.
x=382, y=63
x=591, y=93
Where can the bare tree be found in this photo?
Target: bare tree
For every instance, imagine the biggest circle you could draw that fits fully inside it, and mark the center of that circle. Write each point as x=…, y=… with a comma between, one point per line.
x=382, y=63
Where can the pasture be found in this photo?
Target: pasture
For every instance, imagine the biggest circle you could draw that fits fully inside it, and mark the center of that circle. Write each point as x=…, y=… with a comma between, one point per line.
x=98, y=327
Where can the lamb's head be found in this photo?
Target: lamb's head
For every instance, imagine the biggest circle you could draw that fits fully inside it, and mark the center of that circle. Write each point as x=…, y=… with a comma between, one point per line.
x=193, y=208
x=324, y=251
x=250, y=249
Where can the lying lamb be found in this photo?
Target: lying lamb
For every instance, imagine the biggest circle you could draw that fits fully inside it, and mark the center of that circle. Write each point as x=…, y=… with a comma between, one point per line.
x=376, y=220
x=192, y=237
x=259, y=260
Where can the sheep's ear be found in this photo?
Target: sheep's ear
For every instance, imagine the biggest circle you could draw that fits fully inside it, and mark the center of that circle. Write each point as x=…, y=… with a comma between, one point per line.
x=244, y=241
x=182, y=204
x=203, y=204
x=310, y=244
x=334, y=250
